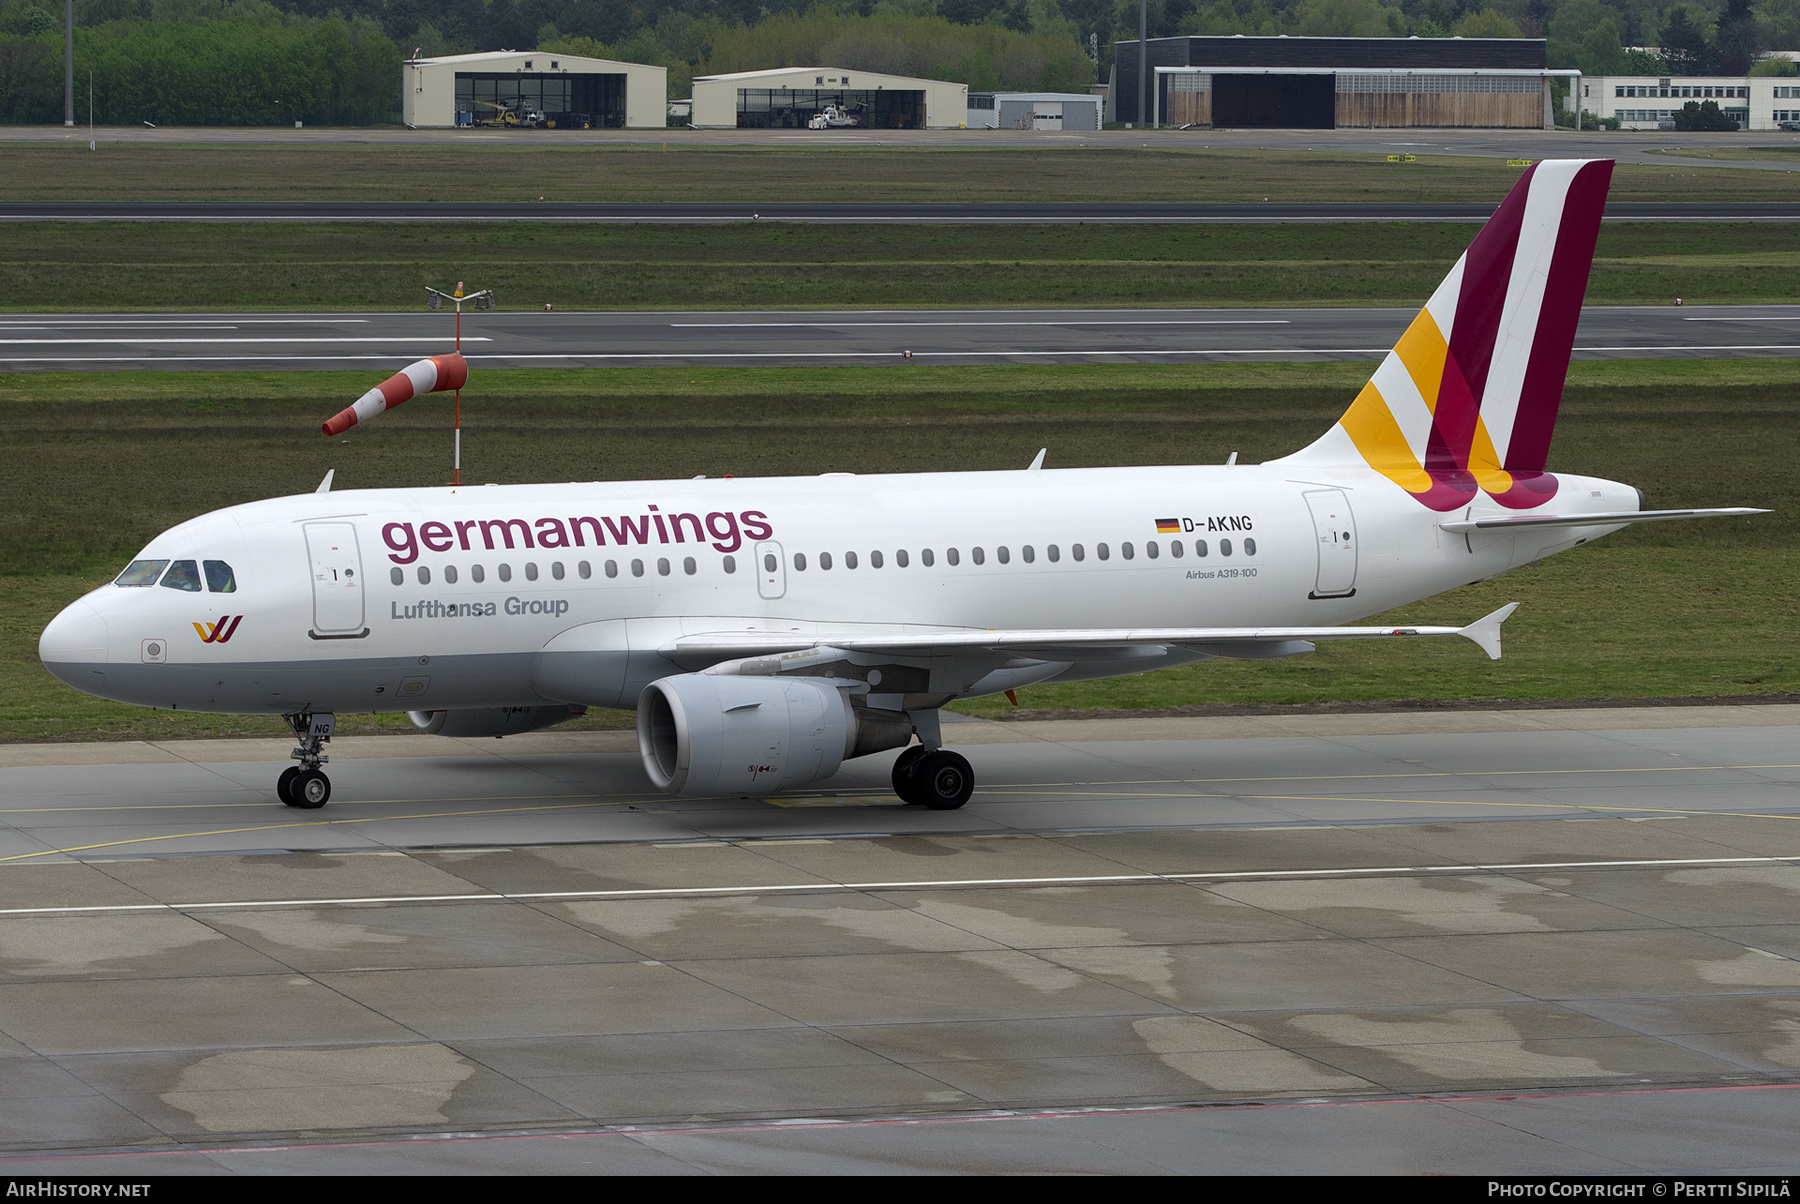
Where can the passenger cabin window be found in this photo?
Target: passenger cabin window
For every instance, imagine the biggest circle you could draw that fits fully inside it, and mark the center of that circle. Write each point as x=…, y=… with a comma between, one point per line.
x=219, y=577
x=900, y=558
x=477, y=573
x=1126, y=550
x=1224, y=547
x=874, y=560
x=1175, y=548
x=424, y=575
x=183, y=575
x=1249, y=546
x=1078, y=552
x=926, y=558
x=530, y=571
x=952, y=555
x=450, y=574
x=730, y=565
x=141, y=572
x=1029, y=552
x=397, y=576
x=1151, y=549
x=506, y=572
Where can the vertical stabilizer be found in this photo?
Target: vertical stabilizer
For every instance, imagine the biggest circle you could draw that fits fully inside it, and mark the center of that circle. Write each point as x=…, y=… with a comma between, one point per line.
x=1466, y=401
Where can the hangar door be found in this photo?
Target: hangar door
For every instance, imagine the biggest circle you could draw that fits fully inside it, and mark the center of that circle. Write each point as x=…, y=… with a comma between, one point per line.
x=1286, y=102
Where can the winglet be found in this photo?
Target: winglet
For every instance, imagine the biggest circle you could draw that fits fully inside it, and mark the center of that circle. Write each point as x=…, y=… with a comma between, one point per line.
x=325, y=485
x=1485, y=631
x=1038, y=463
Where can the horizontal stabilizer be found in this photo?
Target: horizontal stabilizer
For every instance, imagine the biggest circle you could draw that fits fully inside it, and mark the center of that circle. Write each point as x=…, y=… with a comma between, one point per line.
x=1485, y=631
x=1614, y=518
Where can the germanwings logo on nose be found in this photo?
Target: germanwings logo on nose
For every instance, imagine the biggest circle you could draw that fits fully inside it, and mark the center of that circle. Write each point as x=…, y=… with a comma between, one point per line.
x=220, y=632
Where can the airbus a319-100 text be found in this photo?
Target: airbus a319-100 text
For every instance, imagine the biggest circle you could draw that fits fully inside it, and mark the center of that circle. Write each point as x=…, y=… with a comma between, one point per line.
x=766, y=630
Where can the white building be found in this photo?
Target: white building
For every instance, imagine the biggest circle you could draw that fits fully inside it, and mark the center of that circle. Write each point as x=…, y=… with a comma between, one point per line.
x=569, y=92
x=789, y=97
x=1644, y=102
x=1034, y=111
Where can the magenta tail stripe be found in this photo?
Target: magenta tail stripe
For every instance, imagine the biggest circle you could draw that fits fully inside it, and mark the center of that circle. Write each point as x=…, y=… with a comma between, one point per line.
x=1487, y=275
x=1541, y=395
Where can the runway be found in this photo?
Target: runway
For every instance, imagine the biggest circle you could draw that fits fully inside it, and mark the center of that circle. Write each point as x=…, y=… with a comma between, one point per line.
x=1661, y=148
x=524, y=339
x=1461, y=942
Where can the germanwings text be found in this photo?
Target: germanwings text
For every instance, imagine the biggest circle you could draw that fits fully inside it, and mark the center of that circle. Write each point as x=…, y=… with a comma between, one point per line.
x=723, y=529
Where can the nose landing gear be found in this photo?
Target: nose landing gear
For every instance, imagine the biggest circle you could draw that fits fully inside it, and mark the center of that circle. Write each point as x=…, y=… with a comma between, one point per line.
x=305, y=785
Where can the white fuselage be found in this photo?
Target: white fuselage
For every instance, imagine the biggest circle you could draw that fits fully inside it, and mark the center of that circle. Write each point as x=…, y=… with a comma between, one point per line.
x=502, y=596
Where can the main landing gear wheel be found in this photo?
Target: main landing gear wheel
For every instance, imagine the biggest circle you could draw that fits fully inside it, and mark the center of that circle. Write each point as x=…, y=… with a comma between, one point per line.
x=309, y=790
x=905, y=784
x=938, y=778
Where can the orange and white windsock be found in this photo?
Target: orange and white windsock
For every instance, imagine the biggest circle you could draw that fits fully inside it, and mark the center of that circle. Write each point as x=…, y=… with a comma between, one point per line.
x=434, y=375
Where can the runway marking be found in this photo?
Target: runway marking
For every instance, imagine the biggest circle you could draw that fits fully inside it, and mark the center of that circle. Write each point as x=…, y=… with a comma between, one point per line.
x=174, y=323
x=320, y=823
x=827, y=886
x=863, y=797
x=1064, y=322
x=1781, y=318
x=399, y=338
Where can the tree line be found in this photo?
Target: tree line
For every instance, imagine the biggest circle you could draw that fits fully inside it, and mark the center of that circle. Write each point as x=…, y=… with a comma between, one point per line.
x=256, y=62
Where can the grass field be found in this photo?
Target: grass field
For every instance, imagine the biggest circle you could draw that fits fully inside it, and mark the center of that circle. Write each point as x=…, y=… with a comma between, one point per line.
x=99, y=463
x=51, y=266
x=536, y=167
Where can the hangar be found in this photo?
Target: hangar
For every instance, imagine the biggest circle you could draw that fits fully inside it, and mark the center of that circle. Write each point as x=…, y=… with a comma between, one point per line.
x=1033, y=111
x=1337, y=83
x=791, y=97
x=565, y=91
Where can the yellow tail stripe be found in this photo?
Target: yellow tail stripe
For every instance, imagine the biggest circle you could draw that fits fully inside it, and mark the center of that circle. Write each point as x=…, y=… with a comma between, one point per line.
x=1423, y=349
x=1371, y=427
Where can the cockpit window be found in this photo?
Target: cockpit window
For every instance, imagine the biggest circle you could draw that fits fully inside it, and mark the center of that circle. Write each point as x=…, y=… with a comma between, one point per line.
x=141, y=572
x=183, y=574
x=219, y=577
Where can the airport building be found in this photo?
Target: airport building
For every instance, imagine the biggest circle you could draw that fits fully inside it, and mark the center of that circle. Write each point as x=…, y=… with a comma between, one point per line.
x=535, y=89
x=1034, y=111
x=1337, y=83
x=826, y=97
x=1649, y=102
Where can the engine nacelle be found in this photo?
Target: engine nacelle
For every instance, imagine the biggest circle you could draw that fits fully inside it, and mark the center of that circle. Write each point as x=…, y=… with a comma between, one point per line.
x=701, y=735
x=491, y=721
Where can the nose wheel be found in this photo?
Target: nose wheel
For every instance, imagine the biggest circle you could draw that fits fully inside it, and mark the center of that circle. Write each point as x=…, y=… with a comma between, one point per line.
x=308, y=789
x=305, y=785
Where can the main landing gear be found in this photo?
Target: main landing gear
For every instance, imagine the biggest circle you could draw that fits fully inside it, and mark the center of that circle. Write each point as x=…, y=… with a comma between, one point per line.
x=305, y=785
x=936, y=777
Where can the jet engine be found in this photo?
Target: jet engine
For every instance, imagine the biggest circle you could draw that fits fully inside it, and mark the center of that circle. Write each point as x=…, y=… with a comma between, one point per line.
x=491, y=721
x=701, y=734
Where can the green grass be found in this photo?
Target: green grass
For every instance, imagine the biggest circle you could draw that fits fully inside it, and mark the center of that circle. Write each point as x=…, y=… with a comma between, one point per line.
x=98, y=463
x=246, y=267
x=533, y=168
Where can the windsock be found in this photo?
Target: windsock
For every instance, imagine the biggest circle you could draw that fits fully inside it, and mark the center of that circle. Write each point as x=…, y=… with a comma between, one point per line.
x=434, y=375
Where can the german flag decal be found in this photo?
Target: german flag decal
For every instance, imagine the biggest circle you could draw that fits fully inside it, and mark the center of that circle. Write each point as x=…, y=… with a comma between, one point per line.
x=1168, y=526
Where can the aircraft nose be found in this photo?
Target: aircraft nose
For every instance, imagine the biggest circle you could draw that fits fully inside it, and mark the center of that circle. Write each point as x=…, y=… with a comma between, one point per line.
x=74, y=646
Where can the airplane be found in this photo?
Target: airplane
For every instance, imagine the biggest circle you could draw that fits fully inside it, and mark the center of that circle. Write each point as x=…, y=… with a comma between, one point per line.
x=767, y=630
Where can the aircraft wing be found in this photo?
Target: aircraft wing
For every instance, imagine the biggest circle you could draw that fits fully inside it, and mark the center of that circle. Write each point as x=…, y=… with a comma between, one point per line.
x=757, y=653
x=1497, y=522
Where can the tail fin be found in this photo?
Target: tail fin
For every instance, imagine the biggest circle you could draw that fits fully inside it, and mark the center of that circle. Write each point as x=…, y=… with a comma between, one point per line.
x=1467, y=398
